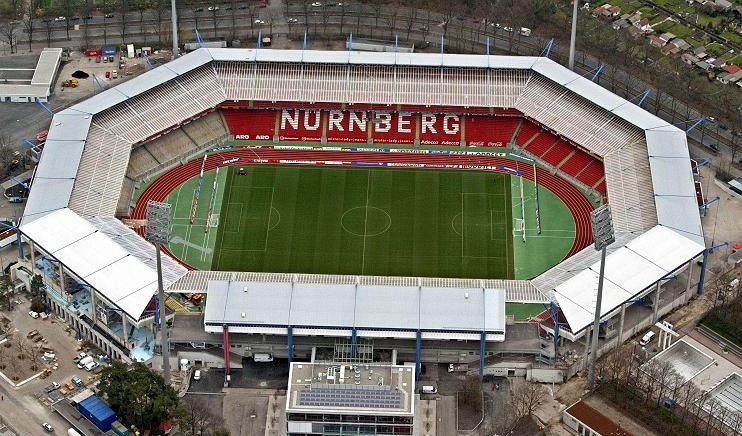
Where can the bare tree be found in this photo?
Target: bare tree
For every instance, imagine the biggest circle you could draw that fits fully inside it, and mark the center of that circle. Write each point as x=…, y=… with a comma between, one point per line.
x=9, y=33
x=526, y=397
x=30, y=15
x=195, y=419
x=471, y=392
x=141, y=6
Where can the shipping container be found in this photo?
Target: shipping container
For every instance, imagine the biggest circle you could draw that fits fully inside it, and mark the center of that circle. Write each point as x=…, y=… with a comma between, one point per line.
x=93, y=52
x=119, y=428
x=97, y=412
x=108, y=51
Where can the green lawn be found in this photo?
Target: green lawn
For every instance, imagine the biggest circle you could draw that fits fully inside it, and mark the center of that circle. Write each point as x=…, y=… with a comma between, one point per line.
x=524, y=311
x=369, y=221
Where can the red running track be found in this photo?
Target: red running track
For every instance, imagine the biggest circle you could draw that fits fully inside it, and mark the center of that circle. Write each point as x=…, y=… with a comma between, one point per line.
x=578, y=205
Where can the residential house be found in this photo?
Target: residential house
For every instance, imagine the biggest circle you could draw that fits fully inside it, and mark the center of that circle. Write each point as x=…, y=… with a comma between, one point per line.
x=727, y=78
x=670, y=48
x=666, y=37
x=732, y=69
x=634, y=18
x=723, y=5
x=619, y=24
x=615, y=10
x=719, y=62
x=689, y=59
x=643, y=25
x=681, y=44
x=705, y=66
x=606, y=11
x=655, y=41
x=699, y=52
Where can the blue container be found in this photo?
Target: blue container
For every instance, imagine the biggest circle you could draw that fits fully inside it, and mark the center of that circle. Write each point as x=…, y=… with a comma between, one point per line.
x=97, y=412
x=109, y=51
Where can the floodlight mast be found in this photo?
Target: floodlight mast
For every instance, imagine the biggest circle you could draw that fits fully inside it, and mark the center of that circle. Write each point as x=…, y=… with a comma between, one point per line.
x=158, y=233
x=603, y=236
x=573, y=36
x=174, y=21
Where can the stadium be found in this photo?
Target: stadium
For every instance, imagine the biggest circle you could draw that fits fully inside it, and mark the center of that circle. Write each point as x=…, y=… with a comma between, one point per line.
x=373, y=206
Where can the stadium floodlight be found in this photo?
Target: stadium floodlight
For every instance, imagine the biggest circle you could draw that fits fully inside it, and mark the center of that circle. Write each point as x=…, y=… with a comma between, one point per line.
x=573, y=35
x=603, y=236
x=174, y=22
x=158, y=233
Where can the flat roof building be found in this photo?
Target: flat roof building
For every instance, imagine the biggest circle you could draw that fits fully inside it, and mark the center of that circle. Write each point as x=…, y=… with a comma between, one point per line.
x=40, y=86
x=340, y=398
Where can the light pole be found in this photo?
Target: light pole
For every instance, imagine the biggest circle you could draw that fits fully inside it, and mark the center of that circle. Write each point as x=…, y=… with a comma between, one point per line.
x=158, y=232
x=174, y=21
x=603, y=237
x=573, y=36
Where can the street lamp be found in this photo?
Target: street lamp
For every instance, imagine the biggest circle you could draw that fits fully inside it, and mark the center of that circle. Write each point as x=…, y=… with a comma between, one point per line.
x=174, y=22
x=158, y=233
x=603, y=236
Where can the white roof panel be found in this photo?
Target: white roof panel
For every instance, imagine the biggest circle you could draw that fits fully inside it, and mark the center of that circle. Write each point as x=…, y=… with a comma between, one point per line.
x=97, y=259
x=323, y=305
x=194, y=60
x=595, y=93
x=639, y=117
x=54, y=178
x=146, y=81
x=99, y=102
x=69, y=126
x=387, y=307
x=553, y=71
x=629, y=271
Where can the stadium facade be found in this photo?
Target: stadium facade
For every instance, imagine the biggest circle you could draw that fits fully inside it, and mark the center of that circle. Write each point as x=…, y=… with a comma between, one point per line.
x=100, y=274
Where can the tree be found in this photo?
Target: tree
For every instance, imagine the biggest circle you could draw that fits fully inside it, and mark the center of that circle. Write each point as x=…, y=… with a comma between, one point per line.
x=526, y=397
x=37, y=285
x=6, y=291
x=30, y=15
x=139, y=395
x=11, y=12
x=141, y=6
x=471, y=392
x=194, y=418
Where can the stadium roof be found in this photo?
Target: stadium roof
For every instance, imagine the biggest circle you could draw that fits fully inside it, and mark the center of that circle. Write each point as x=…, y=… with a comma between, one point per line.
x=647, y=166
x=103, y=258
x=629, y=271
x=256, y=305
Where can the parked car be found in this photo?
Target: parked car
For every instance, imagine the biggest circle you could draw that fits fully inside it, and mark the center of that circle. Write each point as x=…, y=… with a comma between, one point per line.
x=77, y=381
x=48, y=427
x=213, y=8
x=91, y=366
x=33, y=314
x=114, y=74
x=32, y=333
x=52, y=387
x=197, y=375
x=58, y=19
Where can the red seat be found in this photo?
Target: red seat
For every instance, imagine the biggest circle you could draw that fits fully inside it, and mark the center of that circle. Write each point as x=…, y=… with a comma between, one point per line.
x=576, y=163
x=592, y=173
x=527, y=130
x=558, y=152
x=541, y=143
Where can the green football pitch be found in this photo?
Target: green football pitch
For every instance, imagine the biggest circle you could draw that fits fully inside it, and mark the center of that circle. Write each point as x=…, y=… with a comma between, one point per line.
x=367, y=221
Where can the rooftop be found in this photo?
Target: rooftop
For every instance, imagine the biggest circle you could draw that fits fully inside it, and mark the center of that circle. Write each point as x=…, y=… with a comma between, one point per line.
x=685, y=359
x=360, y=389
x=595, y=420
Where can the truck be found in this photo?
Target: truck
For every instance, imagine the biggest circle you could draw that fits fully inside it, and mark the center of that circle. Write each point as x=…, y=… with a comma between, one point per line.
x=83, y=362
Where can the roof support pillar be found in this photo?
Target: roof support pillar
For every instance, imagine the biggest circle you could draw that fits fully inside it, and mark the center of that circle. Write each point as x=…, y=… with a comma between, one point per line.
x=620, y=324
x=690, y=277
x=225, y=338
x=656, y=305
x=418, y=348
x=702, y=276
x=354, y=341
x=20, y=243
x=554, y=309
x=290, y=339
x=482, y=342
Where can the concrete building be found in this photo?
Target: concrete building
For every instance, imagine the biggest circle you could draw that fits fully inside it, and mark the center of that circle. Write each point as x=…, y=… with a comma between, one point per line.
x=40, y=86
x=342, y=399
x=584, y=420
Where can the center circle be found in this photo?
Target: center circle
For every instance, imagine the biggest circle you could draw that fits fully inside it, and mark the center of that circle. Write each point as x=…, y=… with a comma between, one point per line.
x=365, y=221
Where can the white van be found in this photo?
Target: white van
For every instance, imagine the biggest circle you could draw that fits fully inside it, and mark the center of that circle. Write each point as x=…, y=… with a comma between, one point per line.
x=646, y=339
x=72, y=432
x=262, y=357
x=428, y=389
x=83, y=363
x=197, y=375
x=91, y=366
